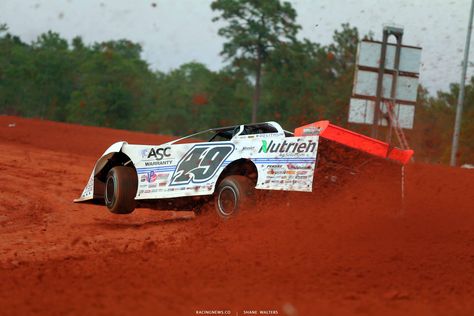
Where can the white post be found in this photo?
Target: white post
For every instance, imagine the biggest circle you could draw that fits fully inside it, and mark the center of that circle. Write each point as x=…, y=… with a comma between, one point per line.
x=403, y=189
x=457, y=123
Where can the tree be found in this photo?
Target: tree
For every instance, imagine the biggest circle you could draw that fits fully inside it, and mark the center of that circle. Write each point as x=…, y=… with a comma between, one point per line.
x=17, y=91
x=310, y=81
x=254, y=29
x=341, y=56
x=112, y=86
x=53, y=75
x=197, y=98
x=295, y=93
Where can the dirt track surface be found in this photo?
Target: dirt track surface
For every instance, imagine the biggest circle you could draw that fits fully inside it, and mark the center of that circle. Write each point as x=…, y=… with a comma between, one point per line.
x=347, y=250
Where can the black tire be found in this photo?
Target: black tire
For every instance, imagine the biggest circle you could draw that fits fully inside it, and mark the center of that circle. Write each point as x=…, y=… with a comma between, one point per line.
x=120, y=190
x=233, y=194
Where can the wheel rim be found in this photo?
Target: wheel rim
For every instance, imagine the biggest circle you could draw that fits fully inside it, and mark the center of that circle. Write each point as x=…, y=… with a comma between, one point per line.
x=227, y=201
x=109, y=191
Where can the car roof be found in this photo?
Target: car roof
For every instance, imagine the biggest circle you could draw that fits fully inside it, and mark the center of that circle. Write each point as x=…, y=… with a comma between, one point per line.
x=263, y=124
x=216, y=130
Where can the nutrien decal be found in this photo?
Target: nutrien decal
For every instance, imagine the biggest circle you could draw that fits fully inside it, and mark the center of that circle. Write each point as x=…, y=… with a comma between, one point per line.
x=287, y=146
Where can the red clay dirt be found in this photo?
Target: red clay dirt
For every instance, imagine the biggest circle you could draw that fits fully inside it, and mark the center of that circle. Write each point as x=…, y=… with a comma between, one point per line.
x=350, y=249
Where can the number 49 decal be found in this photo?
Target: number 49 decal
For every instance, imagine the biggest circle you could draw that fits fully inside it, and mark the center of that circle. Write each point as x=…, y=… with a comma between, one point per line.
x=201, y=163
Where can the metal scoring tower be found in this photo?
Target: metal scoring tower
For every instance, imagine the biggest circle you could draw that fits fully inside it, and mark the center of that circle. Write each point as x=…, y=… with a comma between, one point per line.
x=385, y=85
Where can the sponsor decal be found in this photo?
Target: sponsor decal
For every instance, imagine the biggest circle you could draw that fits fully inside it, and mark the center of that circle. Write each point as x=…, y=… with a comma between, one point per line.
x=144, y=153
x=159, y=153
x=143, y=178
x=273, y=172
x=310, y=131
x=158, y=163
x=89, y=189
x=156, y=153
x=151, y=176
x=201, y=163
x=299, y=166
x=251, y=148
x=152, y=185
x=274, y=166
x=266, y=135
x=288, y=147
x=301, y=177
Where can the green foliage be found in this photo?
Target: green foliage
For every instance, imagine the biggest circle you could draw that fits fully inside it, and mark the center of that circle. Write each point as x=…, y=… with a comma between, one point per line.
x=434, y=123
x=16, y=70
x=112, y=88
x=53, y=74
x=199, y=98
x=440, y=113
x=254, y=29
x=307, y=81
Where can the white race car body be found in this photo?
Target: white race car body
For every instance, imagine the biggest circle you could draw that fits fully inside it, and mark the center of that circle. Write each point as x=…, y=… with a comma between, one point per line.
x=176, y=169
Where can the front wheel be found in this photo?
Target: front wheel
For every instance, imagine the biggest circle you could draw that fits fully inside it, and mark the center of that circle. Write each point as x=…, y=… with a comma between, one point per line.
x=120, y=190
x=233, y=194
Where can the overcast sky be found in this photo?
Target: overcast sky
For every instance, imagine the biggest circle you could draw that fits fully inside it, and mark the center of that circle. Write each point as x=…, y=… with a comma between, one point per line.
x=173, y=32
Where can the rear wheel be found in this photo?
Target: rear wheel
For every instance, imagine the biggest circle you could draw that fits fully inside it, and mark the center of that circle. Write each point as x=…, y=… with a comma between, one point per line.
x=233, y=194
x=120, y=190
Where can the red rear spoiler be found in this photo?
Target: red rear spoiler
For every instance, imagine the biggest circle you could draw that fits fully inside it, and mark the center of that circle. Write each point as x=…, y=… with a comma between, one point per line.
x=354, y=140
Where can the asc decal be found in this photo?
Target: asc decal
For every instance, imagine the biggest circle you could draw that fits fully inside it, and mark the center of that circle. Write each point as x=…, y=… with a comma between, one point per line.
x=287, y=147
x=158, y=153
x=201, y=163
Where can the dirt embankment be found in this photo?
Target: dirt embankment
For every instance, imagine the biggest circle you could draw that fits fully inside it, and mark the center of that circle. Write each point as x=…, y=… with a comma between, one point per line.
x=342, y=250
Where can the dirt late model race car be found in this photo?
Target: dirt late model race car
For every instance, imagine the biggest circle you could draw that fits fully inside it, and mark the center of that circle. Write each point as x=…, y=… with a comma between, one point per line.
x=234, y=162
